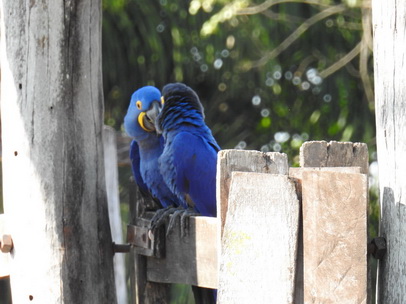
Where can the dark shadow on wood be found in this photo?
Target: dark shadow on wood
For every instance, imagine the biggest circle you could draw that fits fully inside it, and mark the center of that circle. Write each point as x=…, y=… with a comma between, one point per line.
x=143, y=291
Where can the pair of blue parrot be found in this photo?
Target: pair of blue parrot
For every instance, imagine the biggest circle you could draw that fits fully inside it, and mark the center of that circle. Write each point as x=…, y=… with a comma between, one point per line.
x=173, y=155
x=173, y=152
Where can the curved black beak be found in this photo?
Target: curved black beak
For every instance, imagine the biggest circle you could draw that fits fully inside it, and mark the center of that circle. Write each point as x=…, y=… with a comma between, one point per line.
x=150, y=115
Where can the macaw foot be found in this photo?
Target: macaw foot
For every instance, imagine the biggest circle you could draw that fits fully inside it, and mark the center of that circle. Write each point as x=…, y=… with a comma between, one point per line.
x=161, y=216
x=184, y=215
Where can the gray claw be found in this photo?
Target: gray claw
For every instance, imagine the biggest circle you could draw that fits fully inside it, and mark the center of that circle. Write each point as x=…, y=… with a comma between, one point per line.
x=161, y=216
x=172, y=221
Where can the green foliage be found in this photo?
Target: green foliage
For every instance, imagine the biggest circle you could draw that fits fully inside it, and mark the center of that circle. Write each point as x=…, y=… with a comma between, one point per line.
x=224, y=54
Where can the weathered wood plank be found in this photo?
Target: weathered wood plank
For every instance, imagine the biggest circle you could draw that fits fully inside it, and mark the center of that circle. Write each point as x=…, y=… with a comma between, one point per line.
x=298, y=172
x=244, y=161
x=113, y=202
x=389, y=24
x=334, y=237
x=190, y=259
x=258, y=253
x=334, y=154
x=297, y=175
x=4, y=257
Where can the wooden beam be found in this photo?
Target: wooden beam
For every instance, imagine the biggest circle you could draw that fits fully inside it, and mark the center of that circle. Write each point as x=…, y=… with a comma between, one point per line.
x=113, y=202
x=190, y=259
x=243, y=161
x=317, y=155
x=259, y=243
x=334, y=154
x=334, y=237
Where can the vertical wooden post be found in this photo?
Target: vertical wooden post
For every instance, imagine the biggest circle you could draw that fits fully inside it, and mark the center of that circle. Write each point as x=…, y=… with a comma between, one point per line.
x=54, y=186
x=259, y=240
x=334, y=237
x=243, y=161
x=113, y=202
x=389, y=23
x=335, y=198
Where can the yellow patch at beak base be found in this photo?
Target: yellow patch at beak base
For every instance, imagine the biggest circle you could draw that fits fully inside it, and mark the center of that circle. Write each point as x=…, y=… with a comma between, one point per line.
x=141, y=121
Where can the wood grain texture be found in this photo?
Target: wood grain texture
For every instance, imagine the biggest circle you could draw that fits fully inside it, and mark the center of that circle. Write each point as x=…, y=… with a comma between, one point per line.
x=191, y=259
x=334, y=237
x=334, y=154
x=259, y=244
x=389, y=24
x=323, y=156
x=244, y=161
x=54, y=186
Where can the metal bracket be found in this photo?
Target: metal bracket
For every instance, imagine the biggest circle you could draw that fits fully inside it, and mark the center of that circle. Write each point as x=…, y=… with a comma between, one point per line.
x=145, y=241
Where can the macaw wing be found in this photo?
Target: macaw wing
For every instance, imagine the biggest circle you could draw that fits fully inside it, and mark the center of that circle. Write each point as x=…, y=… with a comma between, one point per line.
x=195, y=161
x=135, y=166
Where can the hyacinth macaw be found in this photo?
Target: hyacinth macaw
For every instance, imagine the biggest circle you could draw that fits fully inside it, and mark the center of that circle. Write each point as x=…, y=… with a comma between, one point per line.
x=188, y=162
x=147, y=145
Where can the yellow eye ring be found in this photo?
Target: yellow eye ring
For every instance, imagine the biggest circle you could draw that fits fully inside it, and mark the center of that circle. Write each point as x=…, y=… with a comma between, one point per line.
x=162, y=100
x=139, y=105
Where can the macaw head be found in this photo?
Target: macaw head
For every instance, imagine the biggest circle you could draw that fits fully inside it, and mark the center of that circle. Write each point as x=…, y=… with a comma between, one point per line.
x=145, y=106
x=180, y=105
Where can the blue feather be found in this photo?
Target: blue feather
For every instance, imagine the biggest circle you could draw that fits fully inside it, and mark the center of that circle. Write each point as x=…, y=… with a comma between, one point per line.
x=188, y=162
x=147, y=145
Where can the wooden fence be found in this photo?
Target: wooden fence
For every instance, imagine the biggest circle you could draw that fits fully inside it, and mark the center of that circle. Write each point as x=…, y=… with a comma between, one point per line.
x=283, y=235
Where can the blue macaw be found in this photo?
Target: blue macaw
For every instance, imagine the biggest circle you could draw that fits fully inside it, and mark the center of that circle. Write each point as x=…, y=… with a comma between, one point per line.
x=147, y=145
x=189, y=160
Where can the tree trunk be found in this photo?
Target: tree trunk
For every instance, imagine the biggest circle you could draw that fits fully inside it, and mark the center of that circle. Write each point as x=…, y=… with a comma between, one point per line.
x=54, y=187
x=389, y=18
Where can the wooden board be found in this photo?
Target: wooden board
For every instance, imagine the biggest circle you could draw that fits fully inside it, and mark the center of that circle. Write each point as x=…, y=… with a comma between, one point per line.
x=191, y=259
x=334, y=237
x=258, y=251
x=244, y=161
x=297, y=175
x=334, y=154
x=113, y=203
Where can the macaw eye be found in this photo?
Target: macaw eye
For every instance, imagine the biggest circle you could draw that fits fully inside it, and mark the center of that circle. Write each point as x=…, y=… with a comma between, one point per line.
x=139, y=105
x=162, y=100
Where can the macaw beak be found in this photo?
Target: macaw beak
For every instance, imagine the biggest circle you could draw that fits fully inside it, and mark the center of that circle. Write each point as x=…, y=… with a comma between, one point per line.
x=147, y=119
